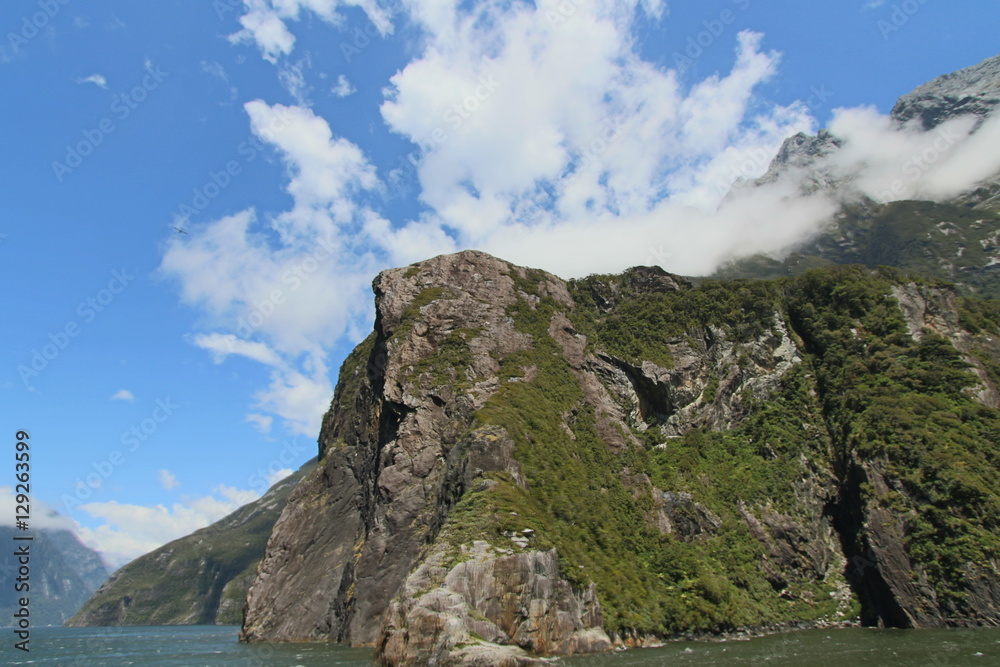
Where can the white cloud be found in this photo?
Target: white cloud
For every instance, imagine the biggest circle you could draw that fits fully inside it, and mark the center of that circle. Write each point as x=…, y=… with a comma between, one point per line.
x=96, y=79
x=261, y=422
x=123, y=395
x=293, y=79
x=263, y=26
x=343, y=87
x=42, y=515
x=167, y=479
x=556, y=135
x=115, y=24
x=265, y=21
x=215, y=69
x=129, y=531
x=222, y=345
x=543, y=137
x=887, y=162
x=285, y=290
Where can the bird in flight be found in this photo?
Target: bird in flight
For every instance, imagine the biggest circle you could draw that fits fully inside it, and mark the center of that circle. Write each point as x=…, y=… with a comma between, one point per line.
x=180, y=231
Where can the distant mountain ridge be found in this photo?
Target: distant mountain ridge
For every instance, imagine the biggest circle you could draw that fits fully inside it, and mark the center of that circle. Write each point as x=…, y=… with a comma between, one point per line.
x=955, y=241
x=64, y=574
x=971, y=91
x=200, y=579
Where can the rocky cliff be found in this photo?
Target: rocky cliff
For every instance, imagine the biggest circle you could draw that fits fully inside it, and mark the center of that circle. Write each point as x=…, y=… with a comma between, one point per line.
x=201, y=579
x=515, y=466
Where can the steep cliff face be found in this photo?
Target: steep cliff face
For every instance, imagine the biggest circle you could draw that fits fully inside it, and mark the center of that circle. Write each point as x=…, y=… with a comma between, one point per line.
x=395, y=451
x=516, y=466
x=201, y=579
x=911, y=394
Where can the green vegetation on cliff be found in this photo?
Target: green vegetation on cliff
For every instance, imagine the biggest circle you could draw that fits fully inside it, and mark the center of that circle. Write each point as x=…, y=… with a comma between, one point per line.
x=902, y=405
x=864, y=391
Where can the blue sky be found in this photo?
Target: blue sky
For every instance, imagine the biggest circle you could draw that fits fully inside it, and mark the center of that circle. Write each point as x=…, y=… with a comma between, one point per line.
x=303, y=145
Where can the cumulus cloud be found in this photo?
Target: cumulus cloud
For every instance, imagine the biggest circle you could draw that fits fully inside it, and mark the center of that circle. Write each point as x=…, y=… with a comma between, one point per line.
x=123, y=395
x=555, y=134
x=343, y=87
x=265, y=22
x=261, y=422
x=129, y=531
x=282, y=291
x=541, y=135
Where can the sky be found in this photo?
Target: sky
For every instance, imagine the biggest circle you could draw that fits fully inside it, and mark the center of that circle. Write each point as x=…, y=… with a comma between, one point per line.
x=195, y=196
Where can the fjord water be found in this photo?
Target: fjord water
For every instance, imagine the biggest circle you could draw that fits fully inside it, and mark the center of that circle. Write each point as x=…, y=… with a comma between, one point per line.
x=209, y=646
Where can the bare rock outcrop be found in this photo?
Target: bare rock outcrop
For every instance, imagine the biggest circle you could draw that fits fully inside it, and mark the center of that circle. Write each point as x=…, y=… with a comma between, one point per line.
x=500, y=607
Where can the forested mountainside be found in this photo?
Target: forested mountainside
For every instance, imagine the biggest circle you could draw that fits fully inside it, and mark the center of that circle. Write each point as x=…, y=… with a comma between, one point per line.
x=514, y=465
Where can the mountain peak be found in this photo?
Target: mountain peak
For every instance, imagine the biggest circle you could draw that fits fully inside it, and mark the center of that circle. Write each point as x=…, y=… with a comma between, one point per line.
x=971, y=91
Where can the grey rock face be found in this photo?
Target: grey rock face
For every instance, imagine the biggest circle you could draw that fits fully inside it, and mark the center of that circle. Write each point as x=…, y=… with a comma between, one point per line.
x=971, y=91
x=394, y=459
x=800, y=155
x=64, y=574
x=679, y=399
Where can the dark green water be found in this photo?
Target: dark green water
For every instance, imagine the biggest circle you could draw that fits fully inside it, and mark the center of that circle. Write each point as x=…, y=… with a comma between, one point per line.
x=210, y=646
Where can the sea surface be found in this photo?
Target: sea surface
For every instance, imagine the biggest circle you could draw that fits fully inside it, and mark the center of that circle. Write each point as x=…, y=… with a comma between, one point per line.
x=214, y=645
